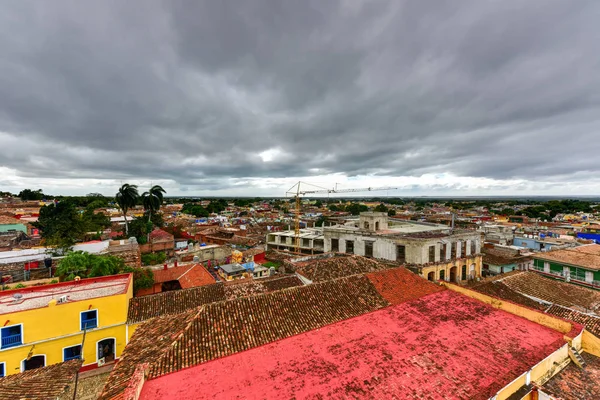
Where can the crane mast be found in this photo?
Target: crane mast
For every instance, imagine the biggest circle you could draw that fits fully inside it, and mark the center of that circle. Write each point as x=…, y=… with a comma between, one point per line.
x=297, y=192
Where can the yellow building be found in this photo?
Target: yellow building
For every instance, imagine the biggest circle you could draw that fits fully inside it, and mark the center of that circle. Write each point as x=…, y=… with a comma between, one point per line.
x=456, y=270
x=44, y=325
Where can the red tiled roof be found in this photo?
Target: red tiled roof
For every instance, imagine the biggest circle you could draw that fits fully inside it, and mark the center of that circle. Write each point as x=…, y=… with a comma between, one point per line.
x=188, y=275
x=398, y=285
x=160, y=235
x=420, y=349
x=196, y=276
x=224, y=328
x=40, y=384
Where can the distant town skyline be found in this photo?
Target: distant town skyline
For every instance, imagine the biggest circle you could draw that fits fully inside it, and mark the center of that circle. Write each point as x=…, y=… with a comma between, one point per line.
x=247, y=98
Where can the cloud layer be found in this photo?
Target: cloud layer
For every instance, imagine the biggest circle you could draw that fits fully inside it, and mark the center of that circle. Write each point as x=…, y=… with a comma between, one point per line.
x=242, y=98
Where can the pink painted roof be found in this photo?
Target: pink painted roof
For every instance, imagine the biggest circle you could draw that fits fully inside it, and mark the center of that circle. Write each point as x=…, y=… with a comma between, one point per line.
x=443, y=345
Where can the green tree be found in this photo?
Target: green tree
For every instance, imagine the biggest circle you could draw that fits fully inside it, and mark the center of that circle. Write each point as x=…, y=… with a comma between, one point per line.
x=28, y=194
x=507, y=211
x=356, y=209
x=61, y=225
x=126, y=198
x=391, y=212
x=153, y=199
x=142, y=278
x=318, y=204
x=381, y=208
x=86, y=265
x=140, y=228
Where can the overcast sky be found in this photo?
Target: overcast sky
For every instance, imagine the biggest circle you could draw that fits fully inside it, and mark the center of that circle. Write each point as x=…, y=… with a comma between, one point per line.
x=247, y=97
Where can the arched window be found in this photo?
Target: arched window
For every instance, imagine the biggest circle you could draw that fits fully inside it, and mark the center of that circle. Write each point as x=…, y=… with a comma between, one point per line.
x=442, y=275
x=377, y=225
x=464, y=273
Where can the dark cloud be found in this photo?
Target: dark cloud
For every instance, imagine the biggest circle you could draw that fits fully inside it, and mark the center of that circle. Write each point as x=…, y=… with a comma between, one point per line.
x=192, y=92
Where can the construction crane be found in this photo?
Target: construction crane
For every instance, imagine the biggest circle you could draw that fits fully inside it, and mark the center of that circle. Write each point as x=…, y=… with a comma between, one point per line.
x=296, y=191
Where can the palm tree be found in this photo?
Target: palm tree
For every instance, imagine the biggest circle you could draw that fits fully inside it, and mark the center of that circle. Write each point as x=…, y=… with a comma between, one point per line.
x=153, y=199
x=126, y=198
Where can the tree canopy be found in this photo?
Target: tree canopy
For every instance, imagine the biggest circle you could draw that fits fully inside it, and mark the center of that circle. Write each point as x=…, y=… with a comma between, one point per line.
x=86, y=265
x=63, y=224
x=28, y=194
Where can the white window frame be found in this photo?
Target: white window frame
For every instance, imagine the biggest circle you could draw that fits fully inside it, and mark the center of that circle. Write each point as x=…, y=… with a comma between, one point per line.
x=68, y=347
x=115, y=349
x=97, y=318
x=35, y=355
x=22, y=336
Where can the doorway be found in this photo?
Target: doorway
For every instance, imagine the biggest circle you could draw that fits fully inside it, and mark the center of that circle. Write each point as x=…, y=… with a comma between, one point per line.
x=453, y=274
x=431, y=276
x=106, y=350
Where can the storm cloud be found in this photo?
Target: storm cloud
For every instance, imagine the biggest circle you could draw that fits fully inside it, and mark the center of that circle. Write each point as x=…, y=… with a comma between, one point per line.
x=244, y=97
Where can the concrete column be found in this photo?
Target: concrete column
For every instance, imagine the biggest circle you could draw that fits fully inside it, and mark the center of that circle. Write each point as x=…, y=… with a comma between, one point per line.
x=469, y=250
x=437, y=252
x=477, y=246
x=458, y=245
x=448, y=251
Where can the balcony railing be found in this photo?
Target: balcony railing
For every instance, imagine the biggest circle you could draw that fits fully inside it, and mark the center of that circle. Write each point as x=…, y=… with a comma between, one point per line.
x=11, y=341
x=89, y=323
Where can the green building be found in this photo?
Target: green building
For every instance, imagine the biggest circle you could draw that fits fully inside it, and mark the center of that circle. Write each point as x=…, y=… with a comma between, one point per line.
x=580, y=265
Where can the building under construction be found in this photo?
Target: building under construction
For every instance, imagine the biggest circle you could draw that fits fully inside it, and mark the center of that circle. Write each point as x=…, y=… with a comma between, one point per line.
x=436, y=252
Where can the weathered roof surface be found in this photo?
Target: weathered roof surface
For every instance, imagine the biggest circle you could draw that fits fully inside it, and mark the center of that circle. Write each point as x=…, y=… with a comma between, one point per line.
x=38, y=296
x=553, y=291
x=587, y=256
x=323, y=269
x=40, y=384
x=495, y=257
x=591, y=322
x=254, y=287
x=398, y=285
x=170, y=343
x=148, y=342
x=241, y=324
x=498, y=289
x=158, y=235
x=173, y=302
x=576, y=383
x=178, y=301
x=423, y=349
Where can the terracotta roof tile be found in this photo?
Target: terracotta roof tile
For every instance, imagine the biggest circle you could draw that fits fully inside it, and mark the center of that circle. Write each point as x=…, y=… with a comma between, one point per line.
x=188, y=275
x=591, y=322
x=173, y=302
x=337, y=266
x=553, y=291
x=173, y=342
x=178, y=301
x=500, y=290
x=40, y=384
x=255, y=287
x=148, y=342
x=576, y=383
x=241, y=324
x=587, y=256
x=398, y=285
x=196, y=276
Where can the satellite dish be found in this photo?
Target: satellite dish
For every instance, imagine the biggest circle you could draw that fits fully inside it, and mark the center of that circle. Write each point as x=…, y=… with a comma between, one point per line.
x=17, y=296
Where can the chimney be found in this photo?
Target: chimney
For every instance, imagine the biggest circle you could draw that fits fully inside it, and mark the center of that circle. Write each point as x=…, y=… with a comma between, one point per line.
x=165, y=267
x=175, y=264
